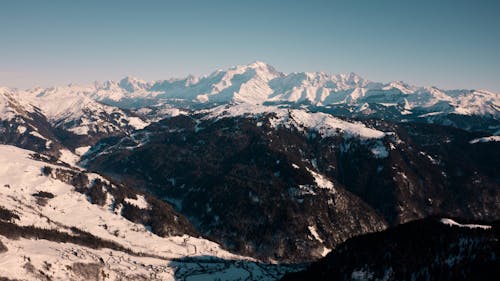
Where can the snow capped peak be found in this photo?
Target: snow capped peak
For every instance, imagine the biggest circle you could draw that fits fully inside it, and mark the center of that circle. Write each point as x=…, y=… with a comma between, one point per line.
x=260, y=69
x=351, y=78
x=132, y=84
x=258, y=64
x=242, y=83
x=402, y=86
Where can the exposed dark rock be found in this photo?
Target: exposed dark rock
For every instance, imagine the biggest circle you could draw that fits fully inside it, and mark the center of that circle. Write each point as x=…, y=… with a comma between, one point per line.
x=7, y=215
x=43, y=194
x=87, y=271
x=3, y=248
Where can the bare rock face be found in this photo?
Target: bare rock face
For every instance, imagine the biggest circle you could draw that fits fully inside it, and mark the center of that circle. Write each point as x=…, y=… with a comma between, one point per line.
x=87, y=271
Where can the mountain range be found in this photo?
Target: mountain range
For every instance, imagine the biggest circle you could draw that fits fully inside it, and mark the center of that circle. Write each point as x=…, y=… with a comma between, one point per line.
x=244, y=173
x=259, y=83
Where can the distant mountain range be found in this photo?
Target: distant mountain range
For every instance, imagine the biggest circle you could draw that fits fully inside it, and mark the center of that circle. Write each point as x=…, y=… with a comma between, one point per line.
x=259, y=83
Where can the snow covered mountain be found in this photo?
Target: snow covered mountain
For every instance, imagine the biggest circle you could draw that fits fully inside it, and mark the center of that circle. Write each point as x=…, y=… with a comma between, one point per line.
x=63, y=114
x=268, y=166
x=259, y=83
x=290, y=174
x=24, y=125
x=111, y=108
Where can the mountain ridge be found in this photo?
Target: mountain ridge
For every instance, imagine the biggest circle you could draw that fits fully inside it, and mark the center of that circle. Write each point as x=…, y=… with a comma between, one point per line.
x=259, y=82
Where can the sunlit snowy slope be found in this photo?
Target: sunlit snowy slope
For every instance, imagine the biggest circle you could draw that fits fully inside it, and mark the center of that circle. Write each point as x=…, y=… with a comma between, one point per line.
x=52, y=230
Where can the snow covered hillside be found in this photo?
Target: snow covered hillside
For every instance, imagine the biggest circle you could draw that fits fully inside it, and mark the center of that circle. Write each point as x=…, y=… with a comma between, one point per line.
x=323, y=124
x=55, y=226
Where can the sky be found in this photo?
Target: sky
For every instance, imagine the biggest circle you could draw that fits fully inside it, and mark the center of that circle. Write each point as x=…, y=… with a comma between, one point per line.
x=447, y=43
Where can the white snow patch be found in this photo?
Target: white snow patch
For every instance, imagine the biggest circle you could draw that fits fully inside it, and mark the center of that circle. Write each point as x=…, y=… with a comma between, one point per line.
x=325, y=251
x=81, y=130
x=430, y=114
x=37, y=134
x=82, y=150
x=306, y=189
x=171, y=112
x=485, y=139
x=388, y=104
x=433, y=161
x=403, y=175
x=137, y=123
x=321, y=181
x=379, y=151
x=451, y=222
x=140, y=202
x=68, y=157
x=314, y=233
x=21, y=129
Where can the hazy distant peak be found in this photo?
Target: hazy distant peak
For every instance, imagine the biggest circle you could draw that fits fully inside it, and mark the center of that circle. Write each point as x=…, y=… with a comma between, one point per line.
x=133, y=84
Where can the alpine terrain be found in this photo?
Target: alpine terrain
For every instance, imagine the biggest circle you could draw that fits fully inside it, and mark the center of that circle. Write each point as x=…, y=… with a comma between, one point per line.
x=249, y=173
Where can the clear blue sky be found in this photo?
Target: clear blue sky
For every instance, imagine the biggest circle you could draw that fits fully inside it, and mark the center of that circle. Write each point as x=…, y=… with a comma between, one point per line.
x=448, y=43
